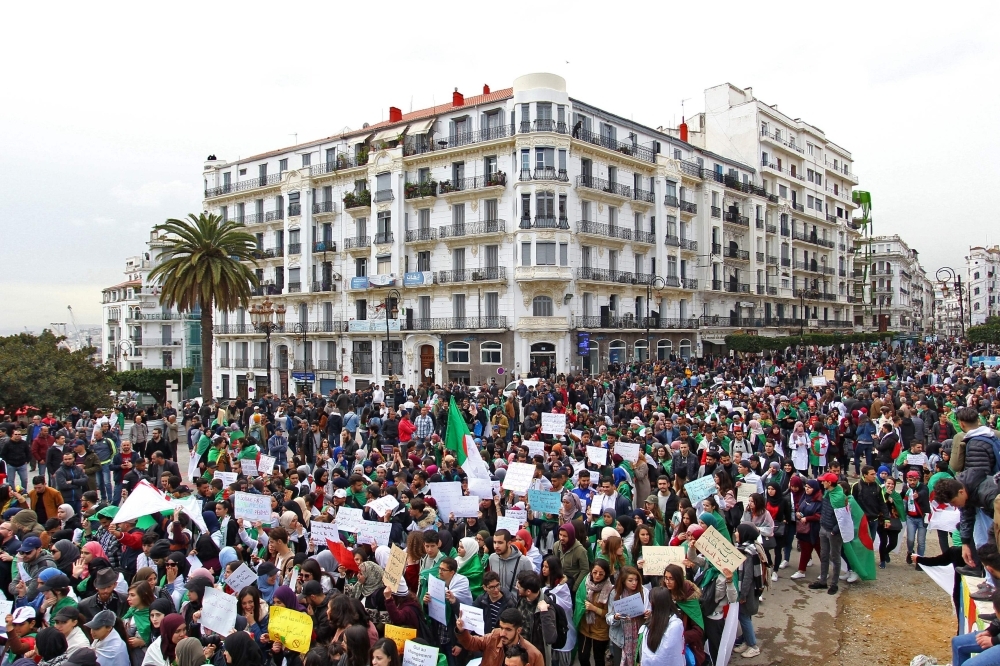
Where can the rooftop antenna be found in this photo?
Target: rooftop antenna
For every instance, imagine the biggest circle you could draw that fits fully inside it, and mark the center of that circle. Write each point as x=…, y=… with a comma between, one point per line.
x=682, y=107
x=296, y=135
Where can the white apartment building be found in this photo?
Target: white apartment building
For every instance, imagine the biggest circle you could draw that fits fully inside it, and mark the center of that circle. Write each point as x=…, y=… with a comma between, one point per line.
x=948, y=312
x=519, y=230
x=802, y=245
x=894, y=289
x=982, y=264
x=139, y=332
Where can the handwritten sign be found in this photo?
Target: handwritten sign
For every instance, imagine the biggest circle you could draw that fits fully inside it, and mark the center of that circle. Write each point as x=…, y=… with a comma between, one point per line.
x=466, y=507
x=520, y=515
x=597, y=455
x=321, y=532
x=417, y=654
x=631, y=606
x=481, y=488
x=699, y=489
x=919, y=459
x=830, y=374
x=553, y=424
x=628, y=451
x=394, y=570
x=473, y=619
x=509, y=524
x=218, y=611
x=371, y=532
x=577, y=468
x=349, y=520
x=436, y=590
x=383, y=504
x=535, y=448
x=445, y=494
x=544, y=502
x=228, y=478
x=292, y=628
x=717, y=550
x=744, y=491
x=248, y=467
x=265, y=466
x=399, y=635
x=518, y=478
x=244, y=576
x=252, y=507
x=819, y=381
x=656, y=558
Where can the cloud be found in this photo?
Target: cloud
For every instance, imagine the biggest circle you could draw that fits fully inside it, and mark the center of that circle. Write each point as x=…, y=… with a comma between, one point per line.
x=155, y=193
x=93, y=221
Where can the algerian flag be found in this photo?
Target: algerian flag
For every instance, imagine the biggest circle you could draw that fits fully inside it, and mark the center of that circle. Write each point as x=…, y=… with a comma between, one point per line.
x=457, y=438
x=860, y=550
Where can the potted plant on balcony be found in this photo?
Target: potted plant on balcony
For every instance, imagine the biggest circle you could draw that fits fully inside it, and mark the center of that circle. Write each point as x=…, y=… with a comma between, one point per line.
x=447, y=186
x=411, y=190
x=363, y=156
x=497, y=178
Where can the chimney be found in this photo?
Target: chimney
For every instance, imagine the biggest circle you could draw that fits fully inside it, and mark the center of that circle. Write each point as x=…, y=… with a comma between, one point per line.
x=395, y=115
x=457, y=99
x=486, y=89
x=684, y=130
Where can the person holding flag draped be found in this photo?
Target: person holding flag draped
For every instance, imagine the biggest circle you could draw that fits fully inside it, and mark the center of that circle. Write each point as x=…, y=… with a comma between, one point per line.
x=458, y=438
x=818, y=445
x=859, y=547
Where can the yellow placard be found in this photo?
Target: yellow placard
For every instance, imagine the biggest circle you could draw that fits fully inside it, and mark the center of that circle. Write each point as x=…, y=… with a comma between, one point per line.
x=292, y=628
x=399, y=635
x=656, y=558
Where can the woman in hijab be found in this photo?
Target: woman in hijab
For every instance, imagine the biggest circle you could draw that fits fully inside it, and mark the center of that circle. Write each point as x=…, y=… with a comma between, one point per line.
x=195, y=587
x=798, y=445
x=369, y=577
x=807, y=515
x=284, y=597
x=626, y=527
x=208, y=553
x=68, y=519
x=190, y=652
x=267, y=580
x=65, y=553
x=296, y=532
x=756, y=435
x=173, y=630
x=470, y=564
x=241, y=649
x=526, y=545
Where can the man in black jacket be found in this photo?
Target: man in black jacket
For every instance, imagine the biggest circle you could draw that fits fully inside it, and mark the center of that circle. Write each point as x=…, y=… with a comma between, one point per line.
x=868, y=494
x=886, y=444
x=686, y=463
x=537, y=613
x=971, y=491
x=17, y=454
x=71, y=482
x=493, y=601
x=106, y=597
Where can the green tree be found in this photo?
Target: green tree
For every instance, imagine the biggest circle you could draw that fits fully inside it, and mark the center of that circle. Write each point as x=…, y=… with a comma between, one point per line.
x=202, y=269
x=37, y=371
x=148, y=380
x=988, y=333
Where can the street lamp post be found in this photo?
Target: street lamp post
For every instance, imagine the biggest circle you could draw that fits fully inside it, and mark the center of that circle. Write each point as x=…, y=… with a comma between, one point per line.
x=303, y=330
x=947, y=274
x=804, y=294
x=657, y=283
x=391, y=301
x=268, y=318
x=124, y=348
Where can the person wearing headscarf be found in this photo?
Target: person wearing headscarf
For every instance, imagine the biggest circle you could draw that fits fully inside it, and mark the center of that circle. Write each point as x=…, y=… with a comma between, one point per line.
x=267, y=580
x=227, y=555
x=211, y=521
x=285, y=597
x=569, y=508
x=572, y=554
x=190, y=652
x=173, y=629
x=368, y=581
x=159, y=609
x=626, y=528
x=470, y=564
x=296, y=532
x=208, y=553
x=485, y=538
x=798, y=445
x=780, y=507
x=69, y=520
x=807, y=515
x=65, y=553
x=241, y=649
x=526, y=545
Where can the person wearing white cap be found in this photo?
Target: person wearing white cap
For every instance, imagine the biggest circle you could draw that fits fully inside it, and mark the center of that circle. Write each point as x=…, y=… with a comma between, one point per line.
x=20, y=627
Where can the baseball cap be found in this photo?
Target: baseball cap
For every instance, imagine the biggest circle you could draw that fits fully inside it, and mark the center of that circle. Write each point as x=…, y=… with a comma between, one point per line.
x=105, y=618
x=59, y=580
x=67, y=613
x=30, y=544
x=340, y=492
x=829, y=478
x=23, y=614
x=913, y=474
x=312, y=587
x=267, y=569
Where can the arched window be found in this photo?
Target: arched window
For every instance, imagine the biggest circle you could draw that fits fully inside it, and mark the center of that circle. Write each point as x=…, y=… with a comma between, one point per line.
x=458, y=352
x=616, y=351
x=641, y=350
x=685, y=349
x=490, y=353
x=663, y=349
x=541, y=306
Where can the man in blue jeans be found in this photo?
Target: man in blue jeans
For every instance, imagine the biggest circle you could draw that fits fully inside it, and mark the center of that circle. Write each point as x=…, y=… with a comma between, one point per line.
x=17, y=454
x=917, y=506
x=985, y=643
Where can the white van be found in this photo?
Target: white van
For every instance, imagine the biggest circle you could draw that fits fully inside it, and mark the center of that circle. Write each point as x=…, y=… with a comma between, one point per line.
x=511, y=389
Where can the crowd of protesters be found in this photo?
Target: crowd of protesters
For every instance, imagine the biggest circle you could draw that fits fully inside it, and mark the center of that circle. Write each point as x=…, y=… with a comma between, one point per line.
x=784, y=436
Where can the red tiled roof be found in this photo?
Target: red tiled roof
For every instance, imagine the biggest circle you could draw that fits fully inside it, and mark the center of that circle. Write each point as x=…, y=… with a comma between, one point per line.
x=475, y=100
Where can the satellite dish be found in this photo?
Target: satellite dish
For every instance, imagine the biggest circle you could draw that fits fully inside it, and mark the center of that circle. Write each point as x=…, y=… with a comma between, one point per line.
x=250, y=376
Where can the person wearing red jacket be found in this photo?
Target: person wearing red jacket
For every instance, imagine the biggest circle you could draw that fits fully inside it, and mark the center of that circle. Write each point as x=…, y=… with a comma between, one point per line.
x=406, y=428
x=40, y=447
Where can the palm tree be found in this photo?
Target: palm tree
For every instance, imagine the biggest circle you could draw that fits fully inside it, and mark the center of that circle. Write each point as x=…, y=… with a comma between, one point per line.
x=202, y=267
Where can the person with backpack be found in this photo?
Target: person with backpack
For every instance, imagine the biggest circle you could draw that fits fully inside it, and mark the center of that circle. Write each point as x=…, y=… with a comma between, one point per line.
x=538, y=615
x=556, y=588
x=752, y=579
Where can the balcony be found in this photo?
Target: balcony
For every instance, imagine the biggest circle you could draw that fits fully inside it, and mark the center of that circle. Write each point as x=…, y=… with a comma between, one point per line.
x=324, y=207
x=362, y=199
x=294, y=287
x=644, y=196
x=832, y=219
x=342, y=161
x=268, y=253
x=770, y=228
x=614, y=190
x=716, y=248
x=683, y=243
x=415, y=147
x=759, y=223
x=243, y=185
x=303, y=366
x=259, y=363
x=294, y=248
x=630, y=149
x=716, y=285
x=326, y=245
x=772, y=260
x=324, y=285
x=716, y=212
x=544, y=222
x=672, y=201
x=493, y=273
x=462, y=186
x=785, y=230
x=454, y=323
x=327, y=364
x=689, y=283
x=799, y=207
x=159, y=316
x=241, y=363
x=772, y=291
x=776, y=138
x=427, y=235
x=604, y=230
x=383, y=195
x=760, y=290
x=738, y=287
x=735, y=218
x=812, y=238
x=689, y=207
x=691, y=169
x=543, y=274
x=423, y=190
x=274, y=215
x=480, y=228
x=294, y=210
x=224, y=363
x=760, y=257
x=544, y=125
x=356, y=243
x=155, y=342
x=631, y=322
x=736, y=253
x=608, y=275
x=252, y=218
x=545, y=173
x=383, y=237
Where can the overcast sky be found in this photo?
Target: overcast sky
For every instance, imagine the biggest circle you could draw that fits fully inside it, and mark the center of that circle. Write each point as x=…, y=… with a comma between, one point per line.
x=110, y=109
